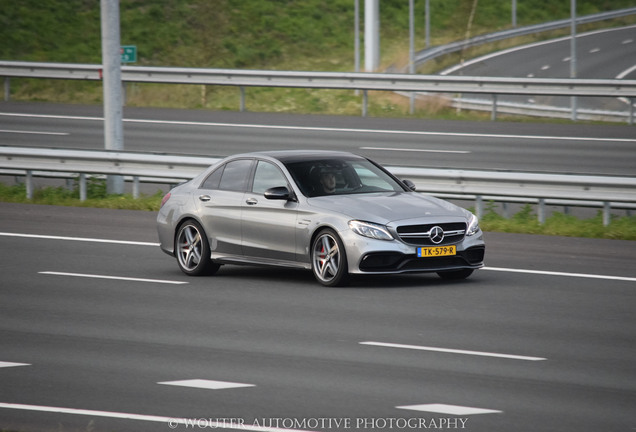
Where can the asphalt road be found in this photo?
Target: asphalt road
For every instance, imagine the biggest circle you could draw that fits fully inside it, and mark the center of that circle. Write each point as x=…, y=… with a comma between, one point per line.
x=561, y=148
x=541, y=339
x=602, y=54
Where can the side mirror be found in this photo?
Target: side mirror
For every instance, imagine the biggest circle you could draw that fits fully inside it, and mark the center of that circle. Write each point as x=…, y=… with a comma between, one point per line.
x=409, y=184
x=278, y=193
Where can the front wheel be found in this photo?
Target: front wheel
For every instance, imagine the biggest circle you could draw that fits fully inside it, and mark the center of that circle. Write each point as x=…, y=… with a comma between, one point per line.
x=455, y=274
x=328, y=259
x=193, y=251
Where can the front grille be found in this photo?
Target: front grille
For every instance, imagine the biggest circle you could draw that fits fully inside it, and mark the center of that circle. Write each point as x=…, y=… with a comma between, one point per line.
x=421, y=234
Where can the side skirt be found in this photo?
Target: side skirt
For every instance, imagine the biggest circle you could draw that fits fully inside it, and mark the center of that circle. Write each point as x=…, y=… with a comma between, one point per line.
x=242, y=260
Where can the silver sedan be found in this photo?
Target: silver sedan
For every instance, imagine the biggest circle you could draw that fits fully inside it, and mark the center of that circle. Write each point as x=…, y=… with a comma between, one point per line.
x=332, y=212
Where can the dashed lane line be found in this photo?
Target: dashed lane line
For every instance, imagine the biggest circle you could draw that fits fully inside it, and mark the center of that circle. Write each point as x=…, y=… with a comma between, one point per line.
x=81, y=239
x=171, y=422
x=120, y=278
x=453, y=351
x=25, y=132
x=206, y=384
x=4, y=364
x=499, y=269
x=565, y=274
x=457, y=410
x=332, y=129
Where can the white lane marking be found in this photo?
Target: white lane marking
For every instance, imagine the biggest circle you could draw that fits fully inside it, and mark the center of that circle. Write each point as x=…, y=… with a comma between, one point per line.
x=4, y=364
x=553, y=273
x=415, y=150
x=545, y=67
x=595, y=50
x=32, y=132
x=171, y=422
x=82, y=239
x=522, y=47
x=627, y=41
x=206, y=384
x=330, y=129
x=626, y=72
x=135, y=243
x=449, y=409
x=92, y=276
x=453, y=351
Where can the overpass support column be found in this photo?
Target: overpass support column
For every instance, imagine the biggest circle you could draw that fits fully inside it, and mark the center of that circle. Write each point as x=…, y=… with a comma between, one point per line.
x=371, y=35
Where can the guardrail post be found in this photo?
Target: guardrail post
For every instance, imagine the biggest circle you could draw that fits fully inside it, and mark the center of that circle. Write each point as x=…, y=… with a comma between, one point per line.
x=541, y=211
x=82, y=186
x=631, y=111
x=493, y=114
x=7, y=89
x=135, y=190
x=365, y=100
x=479, y=206
x=29, y=184
x=505, y=209
x=607, y=216
x=242, y=103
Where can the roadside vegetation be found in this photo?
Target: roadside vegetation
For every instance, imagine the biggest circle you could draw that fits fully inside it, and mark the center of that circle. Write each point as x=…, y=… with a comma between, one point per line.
x=524, y=221
x=276, y=35
x=259, y=34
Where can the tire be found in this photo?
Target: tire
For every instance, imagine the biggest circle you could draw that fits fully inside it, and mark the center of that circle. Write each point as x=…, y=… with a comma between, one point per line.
x=455, y=274
x=192, y=250
x=328, y=259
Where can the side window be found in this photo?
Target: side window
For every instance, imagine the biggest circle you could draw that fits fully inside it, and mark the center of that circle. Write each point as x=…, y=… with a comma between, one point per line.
x=235, y=175
x=212, y=182
x=267, y=176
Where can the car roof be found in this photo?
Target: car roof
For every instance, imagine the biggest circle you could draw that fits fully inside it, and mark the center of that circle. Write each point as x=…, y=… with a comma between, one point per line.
x=287, y=156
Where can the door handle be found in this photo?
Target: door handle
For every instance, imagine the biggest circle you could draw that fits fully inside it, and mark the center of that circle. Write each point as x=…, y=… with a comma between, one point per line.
x=251, y=201
x=204, y=198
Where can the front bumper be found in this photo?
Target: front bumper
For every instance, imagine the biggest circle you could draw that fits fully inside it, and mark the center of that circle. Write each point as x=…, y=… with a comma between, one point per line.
x=369, y=256
x=396, y=262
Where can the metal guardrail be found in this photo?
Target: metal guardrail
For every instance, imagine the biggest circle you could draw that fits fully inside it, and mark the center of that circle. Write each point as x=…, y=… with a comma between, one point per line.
x=333, y=80
x=504, y=186
x=431, y=53
x=394, y=82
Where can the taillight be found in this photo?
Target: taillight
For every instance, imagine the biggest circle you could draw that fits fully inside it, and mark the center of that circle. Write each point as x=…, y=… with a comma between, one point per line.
x=165, y=199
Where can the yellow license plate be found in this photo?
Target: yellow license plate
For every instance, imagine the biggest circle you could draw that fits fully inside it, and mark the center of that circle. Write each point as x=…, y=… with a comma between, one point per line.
x=437, y=251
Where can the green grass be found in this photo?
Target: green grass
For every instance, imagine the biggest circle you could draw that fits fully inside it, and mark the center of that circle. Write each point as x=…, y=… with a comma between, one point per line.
x=525, y=221
x=559, y=224
x=96, y=197
x=254, y=34
x=267, y=34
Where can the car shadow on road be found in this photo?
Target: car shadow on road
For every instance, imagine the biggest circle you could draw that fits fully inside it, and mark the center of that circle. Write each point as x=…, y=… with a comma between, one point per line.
x=269, y=275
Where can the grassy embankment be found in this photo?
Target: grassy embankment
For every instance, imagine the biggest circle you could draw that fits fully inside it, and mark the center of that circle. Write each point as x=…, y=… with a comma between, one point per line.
x=257, y=34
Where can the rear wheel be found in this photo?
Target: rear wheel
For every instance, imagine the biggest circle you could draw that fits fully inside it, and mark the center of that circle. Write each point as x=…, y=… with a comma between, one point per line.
x=328, y=259
x=455, y=274
x=193, y=250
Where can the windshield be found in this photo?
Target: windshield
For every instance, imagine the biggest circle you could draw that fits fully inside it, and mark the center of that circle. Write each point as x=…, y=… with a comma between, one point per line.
x=340, y=177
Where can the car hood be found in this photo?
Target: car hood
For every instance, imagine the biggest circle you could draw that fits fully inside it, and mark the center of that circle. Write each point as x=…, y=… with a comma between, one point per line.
x=385, y=208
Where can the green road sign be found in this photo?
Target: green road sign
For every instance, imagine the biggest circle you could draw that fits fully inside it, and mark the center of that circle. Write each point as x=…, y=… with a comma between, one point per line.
x=129, y=53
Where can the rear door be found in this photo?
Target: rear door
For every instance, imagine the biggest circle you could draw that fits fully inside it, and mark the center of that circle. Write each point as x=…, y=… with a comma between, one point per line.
x=220, y=199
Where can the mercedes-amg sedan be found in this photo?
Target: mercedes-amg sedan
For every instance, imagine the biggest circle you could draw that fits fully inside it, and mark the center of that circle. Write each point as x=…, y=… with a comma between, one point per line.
x=335, y=213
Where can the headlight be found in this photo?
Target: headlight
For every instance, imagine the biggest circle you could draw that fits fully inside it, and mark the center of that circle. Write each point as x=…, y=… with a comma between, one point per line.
x=473, y=226
x=370, y=230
